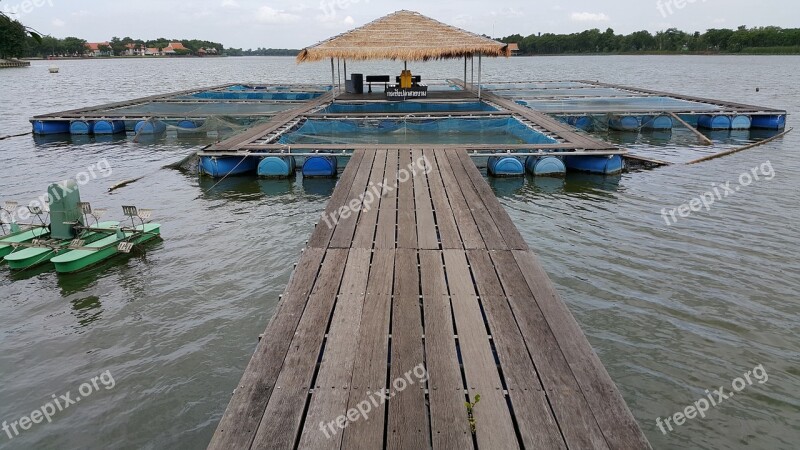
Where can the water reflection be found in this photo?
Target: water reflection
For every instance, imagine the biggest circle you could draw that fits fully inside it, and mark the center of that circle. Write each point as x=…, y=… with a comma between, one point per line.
x=507, y=186
x=322, y=187
x=87, y=310
x=587, y=182
x=546, y=185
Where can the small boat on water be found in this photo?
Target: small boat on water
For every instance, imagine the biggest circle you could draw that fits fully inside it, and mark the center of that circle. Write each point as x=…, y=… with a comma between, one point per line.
x=69, y=242
x=40, y=251
x=121, y=241
x=17, y=233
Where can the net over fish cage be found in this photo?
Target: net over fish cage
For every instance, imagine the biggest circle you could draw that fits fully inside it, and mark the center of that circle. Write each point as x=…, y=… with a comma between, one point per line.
x=415, y=131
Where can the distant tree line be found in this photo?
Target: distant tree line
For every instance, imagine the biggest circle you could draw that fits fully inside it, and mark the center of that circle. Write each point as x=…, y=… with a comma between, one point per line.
x=741, y=40
x=262, y=52
x=72, y=46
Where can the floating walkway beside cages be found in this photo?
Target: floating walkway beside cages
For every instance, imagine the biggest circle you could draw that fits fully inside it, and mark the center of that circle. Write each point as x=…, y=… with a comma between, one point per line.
x=431, y=273
x=320, y=129
x=591, y=104
x=183, y=110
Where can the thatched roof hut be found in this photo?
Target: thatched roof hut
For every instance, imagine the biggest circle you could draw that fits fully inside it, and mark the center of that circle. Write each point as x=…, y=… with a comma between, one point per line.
x=406, y=36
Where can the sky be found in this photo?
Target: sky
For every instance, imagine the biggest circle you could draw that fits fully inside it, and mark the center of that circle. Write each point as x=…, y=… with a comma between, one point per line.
x=300, y=23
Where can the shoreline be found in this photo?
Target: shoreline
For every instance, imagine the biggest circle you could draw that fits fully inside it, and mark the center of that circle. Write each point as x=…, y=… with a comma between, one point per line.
x=13, y=63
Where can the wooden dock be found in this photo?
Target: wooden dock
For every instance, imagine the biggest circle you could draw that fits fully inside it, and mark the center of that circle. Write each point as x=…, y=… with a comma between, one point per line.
x=432, y=273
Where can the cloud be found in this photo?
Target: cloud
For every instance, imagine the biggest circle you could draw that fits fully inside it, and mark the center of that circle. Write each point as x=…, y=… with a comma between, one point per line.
x=58, y=23
x=719, y=20
x=232, y=4
x=589, y=17
x=349, y=20
x=507, y=12
x=269, y=15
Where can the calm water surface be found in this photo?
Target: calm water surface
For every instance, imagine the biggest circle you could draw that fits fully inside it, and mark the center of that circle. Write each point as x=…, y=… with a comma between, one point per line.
x=671, y=310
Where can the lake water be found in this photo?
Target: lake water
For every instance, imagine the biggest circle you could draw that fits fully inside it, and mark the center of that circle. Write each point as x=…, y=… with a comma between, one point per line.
x=671, y=310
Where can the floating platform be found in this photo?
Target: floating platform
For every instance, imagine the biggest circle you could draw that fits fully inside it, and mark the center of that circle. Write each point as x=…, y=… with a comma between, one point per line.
x=13, y=63
x=182, y=110
x=540, y=118
x=431, y=274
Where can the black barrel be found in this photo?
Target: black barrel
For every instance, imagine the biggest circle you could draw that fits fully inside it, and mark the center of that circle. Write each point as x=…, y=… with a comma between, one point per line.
x=358, y=82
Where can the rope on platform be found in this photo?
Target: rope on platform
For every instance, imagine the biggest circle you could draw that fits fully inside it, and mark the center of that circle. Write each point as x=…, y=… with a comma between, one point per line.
x=739, y=149
x=15, y=135
x=221, y=179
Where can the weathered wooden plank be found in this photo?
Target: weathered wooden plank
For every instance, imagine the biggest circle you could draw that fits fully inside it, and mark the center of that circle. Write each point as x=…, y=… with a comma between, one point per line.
x=408, y=413
x=618, y=424
x=535, y=417
x=572, y=411
x=494, y=426
x=324, y=229
x=279, y=426
x=501, y=218
x=449, y=422
x=386, y=232
x=246, y=408
x=406, y=229
x=390, y=186
x=365, y=230
x=426, y=224
x=446, y=224
x=332, y=383
x=470, y=235
x=351, y=208
x=491, y=235
x=406, y=213
x=371, y=357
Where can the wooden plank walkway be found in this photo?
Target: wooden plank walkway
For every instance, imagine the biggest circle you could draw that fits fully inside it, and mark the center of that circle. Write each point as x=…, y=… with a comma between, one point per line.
x=428, y=271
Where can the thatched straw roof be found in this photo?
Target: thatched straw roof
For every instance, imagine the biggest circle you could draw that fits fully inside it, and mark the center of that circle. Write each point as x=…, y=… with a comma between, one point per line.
x=403, y=35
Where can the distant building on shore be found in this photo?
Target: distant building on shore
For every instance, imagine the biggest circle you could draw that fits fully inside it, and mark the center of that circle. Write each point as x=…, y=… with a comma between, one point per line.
x=93, y=49
x=175, y=48
x=135, y=50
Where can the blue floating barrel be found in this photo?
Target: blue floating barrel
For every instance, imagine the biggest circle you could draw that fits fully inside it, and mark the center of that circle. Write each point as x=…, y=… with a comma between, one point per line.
x=50, y=127
x=740, y=123
x=769, y=122
x=320, y=166
x=276, y=166
x=222, y=166
x=109, y=126
x=660, y=122
x=545, y=166
x=150, y=127
x=624, y=123
x=605, y=165
x=581, y=122
x=188, y=124
x=80, y=127
x=714, y=122
x=505, y=166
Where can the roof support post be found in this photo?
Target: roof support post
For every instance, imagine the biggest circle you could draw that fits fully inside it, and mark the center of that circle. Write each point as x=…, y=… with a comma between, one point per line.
x=480, y=63
x=333, y=80
x=345, y=71
x=472, y=70
x=465, y=70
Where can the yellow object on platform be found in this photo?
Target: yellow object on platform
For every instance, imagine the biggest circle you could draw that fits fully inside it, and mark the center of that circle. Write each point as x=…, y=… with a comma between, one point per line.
x=405, y=79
